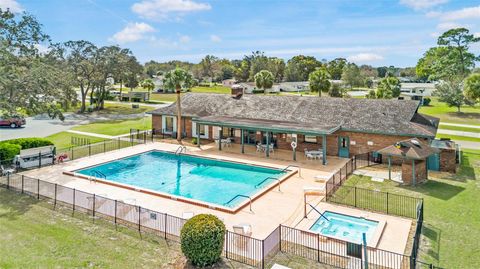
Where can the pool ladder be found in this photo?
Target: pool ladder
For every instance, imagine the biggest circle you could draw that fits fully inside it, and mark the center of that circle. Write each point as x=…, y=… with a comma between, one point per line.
x=240, y=195
x=274, y=178
x=180, y=150
x=293, y=165
x=98, y=174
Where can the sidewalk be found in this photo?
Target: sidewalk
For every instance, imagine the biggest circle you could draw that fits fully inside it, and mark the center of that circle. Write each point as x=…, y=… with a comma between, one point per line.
x=96, y=135
x=459, y=125
x=459, y=133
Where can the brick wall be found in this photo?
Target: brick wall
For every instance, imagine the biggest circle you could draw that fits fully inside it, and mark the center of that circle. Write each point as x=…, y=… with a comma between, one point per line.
x=157, y=122
x=420, y=172
x=448, y=160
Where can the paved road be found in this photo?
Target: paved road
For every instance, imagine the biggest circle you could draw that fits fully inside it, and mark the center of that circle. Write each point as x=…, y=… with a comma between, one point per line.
x=468, y=144
x=459, y=125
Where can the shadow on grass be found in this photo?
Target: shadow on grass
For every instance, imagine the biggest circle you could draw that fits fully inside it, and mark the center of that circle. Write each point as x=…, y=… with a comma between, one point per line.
x=14, y=204
x=436, y=189
x=430, y=246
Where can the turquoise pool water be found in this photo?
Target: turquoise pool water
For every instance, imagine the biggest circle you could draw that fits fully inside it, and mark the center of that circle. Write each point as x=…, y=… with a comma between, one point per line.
x=344, y=227
x=202, y=179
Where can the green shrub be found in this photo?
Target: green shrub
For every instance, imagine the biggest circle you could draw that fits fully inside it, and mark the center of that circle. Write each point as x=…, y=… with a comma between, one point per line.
x=30, y=142
x=194, y=140
x=426, y=101
x=202, y=239
x=12, y=147
x=8, y=151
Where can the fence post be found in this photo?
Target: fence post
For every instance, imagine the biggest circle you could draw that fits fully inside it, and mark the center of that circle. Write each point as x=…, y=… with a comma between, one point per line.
x=89, y=150
x=166, y=225
x=280, y=232
x=8, y=181
x=355, y=194
x=38, y=188
x=73, y=202
x=318, y=247
x=72, y=154
x=93, y=207
x=368, y=158
x=139, y=217
x=23, y=183
x=226, y=244
x=115, y=214
x=39, y=159
x=263, y=253
x=104, y=146
x=118, y=143
x=55, y=201
x=387, y=203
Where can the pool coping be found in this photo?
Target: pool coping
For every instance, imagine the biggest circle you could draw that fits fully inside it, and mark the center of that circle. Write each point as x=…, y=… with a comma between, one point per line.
x=225, y=209
x=373, y=242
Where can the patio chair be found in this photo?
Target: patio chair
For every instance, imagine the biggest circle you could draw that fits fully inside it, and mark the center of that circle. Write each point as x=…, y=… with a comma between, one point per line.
x=244, y=231
x=271, y=149
x=7, y=171
x=259, y=148
x=187, y=215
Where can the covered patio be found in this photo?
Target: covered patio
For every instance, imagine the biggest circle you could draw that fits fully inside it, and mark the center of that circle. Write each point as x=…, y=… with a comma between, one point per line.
x=267, y=136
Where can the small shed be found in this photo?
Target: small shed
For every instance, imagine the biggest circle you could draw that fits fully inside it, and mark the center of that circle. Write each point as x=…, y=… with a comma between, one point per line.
x=413, y=154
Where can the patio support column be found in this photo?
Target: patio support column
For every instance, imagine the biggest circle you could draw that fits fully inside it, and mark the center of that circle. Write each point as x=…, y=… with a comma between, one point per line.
x=243, y=140
x=324, y=149
x=198, y=134
x=220, y=138
x=267, y=151
x=389, y=167
x=294, y=150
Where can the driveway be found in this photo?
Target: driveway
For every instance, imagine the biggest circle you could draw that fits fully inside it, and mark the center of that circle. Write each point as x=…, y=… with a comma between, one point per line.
x=38, y=128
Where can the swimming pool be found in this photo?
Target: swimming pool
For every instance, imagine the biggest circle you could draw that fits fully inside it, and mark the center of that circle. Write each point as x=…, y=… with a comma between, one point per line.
x=344, y=227
x=207, y=180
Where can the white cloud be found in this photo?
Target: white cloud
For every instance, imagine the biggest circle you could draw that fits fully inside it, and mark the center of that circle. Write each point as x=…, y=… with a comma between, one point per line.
x=215, y=38
x=12, y=5
x=460, y=14
x=448, y=25
x=42, y=48
x=422, y=4
x=476, y=34
x=184, y=39
x=160, y=9
x=365, y=57
x=132, y=32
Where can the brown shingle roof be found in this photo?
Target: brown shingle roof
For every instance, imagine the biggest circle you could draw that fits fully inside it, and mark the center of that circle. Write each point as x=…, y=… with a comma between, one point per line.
x=413, y=149
x=393, y=117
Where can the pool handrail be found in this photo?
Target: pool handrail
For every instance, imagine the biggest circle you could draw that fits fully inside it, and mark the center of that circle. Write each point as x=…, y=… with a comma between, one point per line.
x=321, y=214
x=293, y=165
x=99, y=174
x=240, y=195
x=180, y=149
x=268, y=179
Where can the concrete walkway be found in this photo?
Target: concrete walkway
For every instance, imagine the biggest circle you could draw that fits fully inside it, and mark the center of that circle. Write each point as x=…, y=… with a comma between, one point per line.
x=460, y=125
x=468, y=144
x=459, y=133
x=96, y=135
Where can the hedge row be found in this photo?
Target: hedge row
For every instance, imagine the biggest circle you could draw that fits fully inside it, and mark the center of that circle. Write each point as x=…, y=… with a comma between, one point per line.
x=12, y=147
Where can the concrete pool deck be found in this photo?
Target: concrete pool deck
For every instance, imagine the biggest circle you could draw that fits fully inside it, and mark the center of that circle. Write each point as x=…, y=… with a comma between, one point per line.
x=270, y=210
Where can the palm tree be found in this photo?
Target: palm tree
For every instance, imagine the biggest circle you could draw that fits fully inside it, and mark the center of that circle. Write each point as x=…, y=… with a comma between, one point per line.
x=264, y=80
x=178, y=79
x=319, y=80
x=149, y=85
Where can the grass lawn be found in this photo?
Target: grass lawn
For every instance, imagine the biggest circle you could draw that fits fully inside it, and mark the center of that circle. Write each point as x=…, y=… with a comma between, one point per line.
x=114, y=108
x=163, y=97
x=213, y=89
x=468, y=114
x=116, y=127
x=63, y=139
x=34, y=236
x=451, y=233
x=457, y=137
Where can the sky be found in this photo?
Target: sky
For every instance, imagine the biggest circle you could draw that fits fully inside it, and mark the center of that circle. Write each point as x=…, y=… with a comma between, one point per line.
x=375, y=32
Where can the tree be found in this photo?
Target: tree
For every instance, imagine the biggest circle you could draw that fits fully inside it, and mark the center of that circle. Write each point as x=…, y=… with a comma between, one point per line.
x=371, y=94
x=177, y=79
x=351, y=75
x=335, y=68
x=427, y=66
x=264, y=80
x=368, y=82
x=319, y=80
x=149, y=85
x=300, y=66
x=458, y=41
x=209, y=67
x=277, y=67
x=472, y=88
x=336, y=90
x=388, y=88
x=382, y=71
x=28, y=78
x=450, y=92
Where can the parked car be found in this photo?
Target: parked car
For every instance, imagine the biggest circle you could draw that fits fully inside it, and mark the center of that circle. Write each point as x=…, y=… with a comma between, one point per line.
x=13, y=122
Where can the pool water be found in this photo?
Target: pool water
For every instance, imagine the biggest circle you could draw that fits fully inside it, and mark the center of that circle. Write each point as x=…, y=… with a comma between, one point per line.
x=344, y=227
x=207, y=180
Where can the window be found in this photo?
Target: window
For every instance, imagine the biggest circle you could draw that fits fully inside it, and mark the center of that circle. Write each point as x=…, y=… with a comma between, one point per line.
x=310, y=139
x=202, y=128
x=343, y=141
x=169, y=125
x=228, y=132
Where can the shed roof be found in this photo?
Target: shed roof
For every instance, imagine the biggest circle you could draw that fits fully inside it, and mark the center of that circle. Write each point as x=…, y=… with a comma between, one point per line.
x=394, y=117
x=412, y=149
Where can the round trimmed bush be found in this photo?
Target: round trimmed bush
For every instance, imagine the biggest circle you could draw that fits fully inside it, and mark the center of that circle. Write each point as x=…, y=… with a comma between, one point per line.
x=202, y=239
